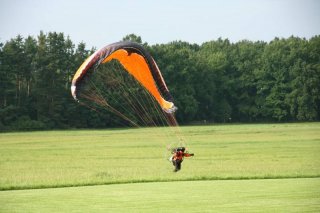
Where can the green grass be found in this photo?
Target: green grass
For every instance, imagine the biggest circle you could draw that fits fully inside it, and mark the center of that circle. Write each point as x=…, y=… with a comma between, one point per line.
x=277, y=195
x=243, y=166
x=75, y=158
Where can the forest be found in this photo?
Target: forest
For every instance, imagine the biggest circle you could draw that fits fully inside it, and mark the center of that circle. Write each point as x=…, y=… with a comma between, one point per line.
x=214, y=82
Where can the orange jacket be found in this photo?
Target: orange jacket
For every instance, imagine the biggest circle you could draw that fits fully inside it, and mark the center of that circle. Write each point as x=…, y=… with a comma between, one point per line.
x=180, y=155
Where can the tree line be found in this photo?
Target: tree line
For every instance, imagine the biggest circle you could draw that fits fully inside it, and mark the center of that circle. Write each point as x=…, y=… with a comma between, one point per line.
x=217, y=81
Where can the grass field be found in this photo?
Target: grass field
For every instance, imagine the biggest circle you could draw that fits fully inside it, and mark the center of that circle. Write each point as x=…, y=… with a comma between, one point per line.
x=257, y=167
x=275, y=195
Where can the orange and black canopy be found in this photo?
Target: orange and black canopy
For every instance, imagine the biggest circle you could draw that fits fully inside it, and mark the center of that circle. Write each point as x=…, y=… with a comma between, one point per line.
x=137, y=62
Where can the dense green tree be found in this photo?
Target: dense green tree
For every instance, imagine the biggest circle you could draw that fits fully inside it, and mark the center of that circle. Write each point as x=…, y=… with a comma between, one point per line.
x=246, y=61
x=179, y=75
x=305, y=85
x=213, y=80
x=132, y=37
x=217, y=81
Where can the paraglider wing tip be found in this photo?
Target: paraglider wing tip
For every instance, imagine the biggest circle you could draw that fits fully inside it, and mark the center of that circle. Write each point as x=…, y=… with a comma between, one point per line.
x=171, y=110
x=73, y=92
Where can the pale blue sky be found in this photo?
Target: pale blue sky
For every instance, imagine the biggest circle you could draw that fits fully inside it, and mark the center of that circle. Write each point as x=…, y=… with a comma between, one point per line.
x=100, y=22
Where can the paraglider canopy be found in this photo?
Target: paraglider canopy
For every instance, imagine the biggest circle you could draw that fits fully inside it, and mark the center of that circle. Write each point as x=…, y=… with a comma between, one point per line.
x=137, y=62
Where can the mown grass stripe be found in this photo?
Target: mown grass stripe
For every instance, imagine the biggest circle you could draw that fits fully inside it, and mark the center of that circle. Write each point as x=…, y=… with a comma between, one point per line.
x=156, y=181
